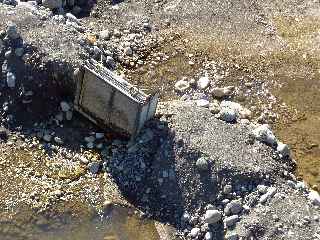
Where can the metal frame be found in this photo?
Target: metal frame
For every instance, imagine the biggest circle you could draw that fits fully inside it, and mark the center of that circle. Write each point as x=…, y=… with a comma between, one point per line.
x=118, y=85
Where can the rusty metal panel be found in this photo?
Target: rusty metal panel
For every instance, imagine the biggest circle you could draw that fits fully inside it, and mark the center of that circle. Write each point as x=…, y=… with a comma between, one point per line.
x=109, y=100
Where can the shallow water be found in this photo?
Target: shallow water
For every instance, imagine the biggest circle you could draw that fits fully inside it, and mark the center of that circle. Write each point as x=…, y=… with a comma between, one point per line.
x=119, y=224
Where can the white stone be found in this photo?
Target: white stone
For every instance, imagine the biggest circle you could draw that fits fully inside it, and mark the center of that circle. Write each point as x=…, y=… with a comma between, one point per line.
x=212, y=216
x=203, y=82
x=65, y=106
x=72, y=18
x=194, y=232
x=208, y=236
x=182, y=86
x=314, y=197
x=283, y=150
x=11, y=80
x=105, y=34
x=264, y=134
x=203, y=103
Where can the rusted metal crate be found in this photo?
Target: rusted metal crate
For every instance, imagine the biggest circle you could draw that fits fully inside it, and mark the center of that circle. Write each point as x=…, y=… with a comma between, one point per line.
x=110, y=101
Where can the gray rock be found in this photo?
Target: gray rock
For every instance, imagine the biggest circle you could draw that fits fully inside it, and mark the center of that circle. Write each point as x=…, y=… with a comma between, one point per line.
x=19, y=52
x=52, y=4
x=227, y=115
x=202, y=164
x=227, y=189
x=233, y=207
x=269, y=194
x=11, y=80
x=69, y=115
x=47, y=137
x=230, y=221
x=212, y=216
x=12, y=31
x=264, y=134
x=231, y=236
x=128, y=51
x=262, y=189
x=110, y=62
x=58, y=140
x=222, y=92
x=94, y=167
x=65, y=106
x=105, y=35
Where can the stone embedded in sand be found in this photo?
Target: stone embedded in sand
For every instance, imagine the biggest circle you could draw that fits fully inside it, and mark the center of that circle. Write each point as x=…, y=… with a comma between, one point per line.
x=314, y=197
x=182, y=86
x=264, y=134
x=283, y=150
x=212, y=216
x=222, y=92
x=203, y=83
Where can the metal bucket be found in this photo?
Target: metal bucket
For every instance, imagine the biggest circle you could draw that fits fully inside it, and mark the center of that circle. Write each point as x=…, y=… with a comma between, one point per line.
x=110, y=101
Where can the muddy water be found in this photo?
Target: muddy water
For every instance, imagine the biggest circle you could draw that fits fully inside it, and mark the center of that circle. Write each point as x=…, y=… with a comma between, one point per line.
x=118, y=224
x=303, y=133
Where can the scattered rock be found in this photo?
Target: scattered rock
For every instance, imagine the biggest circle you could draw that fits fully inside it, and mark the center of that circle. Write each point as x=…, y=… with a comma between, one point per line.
x=47, y=137
x=203, y=83
x=314, y=197
x=230, y=221
x=233, y=207
x=94, y=167
x=208, y=236
x=203, y=103
x=202, y=164
x=194, y=232
x=182, y=86
x=222, y=92
x=283, y=150
x=212, y=216
x=264, y=134
x=12, y=31
x=65, y=106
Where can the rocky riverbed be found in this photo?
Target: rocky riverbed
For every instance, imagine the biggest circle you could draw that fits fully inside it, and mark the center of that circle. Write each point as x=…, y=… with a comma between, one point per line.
x=206, y=167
